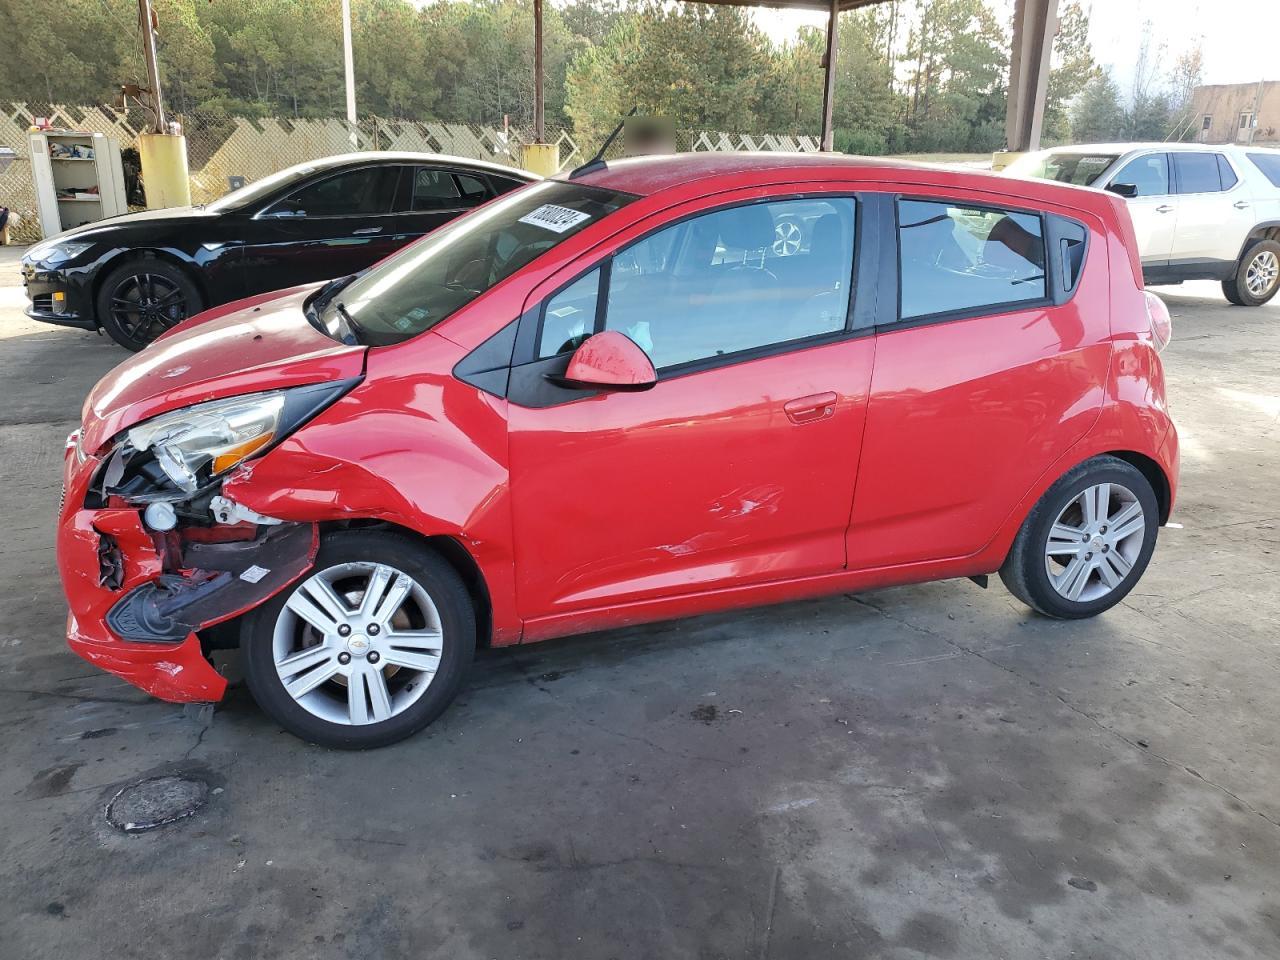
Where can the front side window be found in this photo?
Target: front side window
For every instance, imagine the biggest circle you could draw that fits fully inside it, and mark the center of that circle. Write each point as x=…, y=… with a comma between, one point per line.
x=1149, y=175
x=1197, y=172
x=365, y=192
x=425, y=282
x=959, y=258
x=720, y=283
x=570, y=316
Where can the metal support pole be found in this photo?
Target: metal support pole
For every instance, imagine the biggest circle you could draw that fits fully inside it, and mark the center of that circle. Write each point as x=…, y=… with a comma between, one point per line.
x=1257, y=105
x=348, y=65
x=539, y=120
x=829, y=81
x=147, y=21
x=1035, y=23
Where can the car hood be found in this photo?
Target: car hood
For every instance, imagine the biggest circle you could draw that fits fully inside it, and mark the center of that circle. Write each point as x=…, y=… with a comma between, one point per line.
x=141, y=218
x=257, y=345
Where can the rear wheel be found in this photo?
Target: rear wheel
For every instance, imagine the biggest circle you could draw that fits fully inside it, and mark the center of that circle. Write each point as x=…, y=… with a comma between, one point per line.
x=1086, y=543
x=368, y=649
x=1257, y=276
x=142, y=299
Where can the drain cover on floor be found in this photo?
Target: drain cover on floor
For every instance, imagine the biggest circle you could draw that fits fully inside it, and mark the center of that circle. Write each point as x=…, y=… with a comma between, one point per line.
x=155, y=802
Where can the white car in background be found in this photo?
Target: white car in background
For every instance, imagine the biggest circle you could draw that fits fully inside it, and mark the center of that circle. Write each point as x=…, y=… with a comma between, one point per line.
x=1201, y=212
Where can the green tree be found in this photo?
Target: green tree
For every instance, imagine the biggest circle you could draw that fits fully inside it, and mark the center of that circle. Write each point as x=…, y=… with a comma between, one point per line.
x=1071, y=69
x=701, y=66
x=1097, y=116
x=960, y=61
x=72, y=52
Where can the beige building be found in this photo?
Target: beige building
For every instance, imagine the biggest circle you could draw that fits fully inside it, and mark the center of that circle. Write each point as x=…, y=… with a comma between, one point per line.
x=1225, y=112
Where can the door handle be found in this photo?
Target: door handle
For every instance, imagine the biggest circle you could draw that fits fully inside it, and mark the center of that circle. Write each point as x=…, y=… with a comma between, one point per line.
x=366, y=231
x=819, y=406
x=1164, y=208
x=1240, y=204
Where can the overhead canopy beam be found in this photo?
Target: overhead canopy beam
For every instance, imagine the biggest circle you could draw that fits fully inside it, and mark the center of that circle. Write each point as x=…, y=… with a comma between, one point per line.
x=1035, y=24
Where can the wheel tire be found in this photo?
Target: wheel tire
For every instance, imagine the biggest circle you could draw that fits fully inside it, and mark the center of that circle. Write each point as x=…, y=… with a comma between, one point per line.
x=1025, y=571
x=788, y=237
x=1263, y=256
x=457, y=627
x=140, y=280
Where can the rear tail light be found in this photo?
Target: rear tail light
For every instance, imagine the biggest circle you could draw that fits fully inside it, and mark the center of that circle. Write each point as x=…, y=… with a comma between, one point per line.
x=1161, y=324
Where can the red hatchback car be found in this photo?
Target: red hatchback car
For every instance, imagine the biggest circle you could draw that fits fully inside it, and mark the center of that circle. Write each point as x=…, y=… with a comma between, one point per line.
x=648, y=390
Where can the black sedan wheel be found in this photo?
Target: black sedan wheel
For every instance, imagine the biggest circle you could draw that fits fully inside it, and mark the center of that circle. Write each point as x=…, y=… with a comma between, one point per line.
x=142, y=299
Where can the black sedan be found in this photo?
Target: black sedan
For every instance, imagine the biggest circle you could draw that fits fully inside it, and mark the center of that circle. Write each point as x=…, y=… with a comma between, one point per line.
x=139, y=274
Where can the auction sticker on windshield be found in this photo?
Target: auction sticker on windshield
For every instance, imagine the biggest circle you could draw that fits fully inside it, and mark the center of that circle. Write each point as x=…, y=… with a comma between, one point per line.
x=555, y=218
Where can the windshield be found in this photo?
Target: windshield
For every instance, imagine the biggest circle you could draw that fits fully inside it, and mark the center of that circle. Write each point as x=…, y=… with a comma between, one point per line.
x=251, y=192
x=425, y=282
x=1082, y=169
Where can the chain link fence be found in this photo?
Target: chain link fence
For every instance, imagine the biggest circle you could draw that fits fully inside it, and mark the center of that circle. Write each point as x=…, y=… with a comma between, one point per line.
x=222, y=150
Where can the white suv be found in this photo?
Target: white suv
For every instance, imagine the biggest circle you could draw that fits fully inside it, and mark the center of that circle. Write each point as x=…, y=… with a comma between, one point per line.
x=1200, y=212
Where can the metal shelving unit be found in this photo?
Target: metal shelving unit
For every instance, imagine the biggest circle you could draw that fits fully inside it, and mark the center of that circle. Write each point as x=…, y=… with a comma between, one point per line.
x=75, y=190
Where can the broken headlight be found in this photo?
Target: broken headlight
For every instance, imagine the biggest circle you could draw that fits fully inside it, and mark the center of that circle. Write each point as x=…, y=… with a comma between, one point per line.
x=176, y=455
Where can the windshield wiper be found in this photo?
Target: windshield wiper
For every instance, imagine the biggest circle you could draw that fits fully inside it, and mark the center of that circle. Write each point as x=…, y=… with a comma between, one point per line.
x=351, y=337
x=319, y=302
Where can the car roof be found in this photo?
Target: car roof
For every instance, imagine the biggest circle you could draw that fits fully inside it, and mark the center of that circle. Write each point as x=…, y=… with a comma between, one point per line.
x=645, y=176
x=402, y=156
x=1122, y=148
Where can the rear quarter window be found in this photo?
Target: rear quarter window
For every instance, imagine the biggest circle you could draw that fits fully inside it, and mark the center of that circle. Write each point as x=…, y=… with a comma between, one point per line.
x=1269, y=164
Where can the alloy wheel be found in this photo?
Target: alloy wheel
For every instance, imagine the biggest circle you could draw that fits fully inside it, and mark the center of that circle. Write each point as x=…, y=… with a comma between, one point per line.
x=1094, y=542
x=787, y=238
x=1260, y=276
x=145, y=305
x=357, y=643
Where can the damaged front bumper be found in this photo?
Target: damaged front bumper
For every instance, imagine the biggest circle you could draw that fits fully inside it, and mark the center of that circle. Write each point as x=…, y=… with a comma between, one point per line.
x=138, y=598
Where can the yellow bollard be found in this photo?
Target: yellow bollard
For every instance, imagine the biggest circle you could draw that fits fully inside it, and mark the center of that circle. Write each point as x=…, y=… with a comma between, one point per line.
x=1002, y=158
x=164, y=170
x=542, y=158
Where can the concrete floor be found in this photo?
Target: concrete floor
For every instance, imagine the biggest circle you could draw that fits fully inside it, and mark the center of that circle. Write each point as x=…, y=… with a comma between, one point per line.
x=920, y=772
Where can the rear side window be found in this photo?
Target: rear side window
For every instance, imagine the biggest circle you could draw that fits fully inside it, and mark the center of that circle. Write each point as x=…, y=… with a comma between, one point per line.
x=1149, y=175
x=474, y=192
x=502, y=184
x=1269, y=164
x=1197, y=172
x=435, y=190
x=1228, y=176
x=959, y=258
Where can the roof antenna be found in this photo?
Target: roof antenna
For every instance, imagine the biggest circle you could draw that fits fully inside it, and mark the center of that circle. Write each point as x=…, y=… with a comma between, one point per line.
x=597, y=162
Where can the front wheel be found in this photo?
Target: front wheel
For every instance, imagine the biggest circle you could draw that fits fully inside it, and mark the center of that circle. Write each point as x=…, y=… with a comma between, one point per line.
x=366, y=650
x=1086, y=543
x=142, y=299
x=1257, y=276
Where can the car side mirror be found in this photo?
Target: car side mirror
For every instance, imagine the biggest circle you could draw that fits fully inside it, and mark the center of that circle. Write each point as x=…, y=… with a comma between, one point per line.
x=1123, y=189
x=609, y=361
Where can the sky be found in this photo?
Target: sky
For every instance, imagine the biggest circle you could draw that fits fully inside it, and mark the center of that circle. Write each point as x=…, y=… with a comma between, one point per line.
x=1239, y=37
